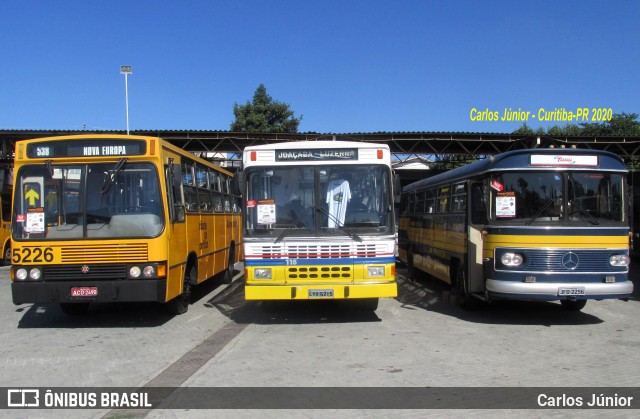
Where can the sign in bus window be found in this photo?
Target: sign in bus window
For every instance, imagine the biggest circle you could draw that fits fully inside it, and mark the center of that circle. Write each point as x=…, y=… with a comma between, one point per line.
x=32, y=193
x=505, y=204
x=266, y=211
x=35, y=220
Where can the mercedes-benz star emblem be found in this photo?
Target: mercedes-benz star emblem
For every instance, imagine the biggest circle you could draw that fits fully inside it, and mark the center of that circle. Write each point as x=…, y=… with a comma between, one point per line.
x=570, y=261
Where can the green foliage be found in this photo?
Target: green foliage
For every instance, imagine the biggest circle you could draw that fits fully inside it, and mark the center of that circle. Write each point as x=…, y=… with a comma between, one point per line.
x=264, y=114
x=526, y=130
x=620, y=125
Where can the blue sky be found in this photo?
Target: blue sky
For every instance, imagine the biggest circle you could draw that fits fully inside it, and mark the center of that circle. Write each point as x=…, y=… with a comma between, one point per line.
x=346, y=66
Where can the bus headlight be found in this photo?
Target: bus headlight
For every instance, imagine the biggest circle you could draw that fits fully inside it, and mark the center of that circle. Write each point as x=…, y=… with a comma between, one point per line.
x=149, y=271
x=21, y=274
x=619, y=260
x=262, y=273
x=511, y=259
x=134, y=272
x=375, y=271
x=35, y=274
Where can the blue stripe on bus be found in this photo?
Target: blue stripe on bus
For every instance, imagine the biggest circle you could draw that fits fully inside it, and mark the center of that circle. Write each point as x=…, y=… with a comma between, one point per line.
x=557, y=231
x=323, y=261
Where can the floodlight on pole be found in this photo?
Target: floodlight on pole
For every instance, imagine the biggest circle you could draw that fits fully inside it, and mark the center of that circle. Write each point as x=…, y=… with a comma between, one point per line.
x=126, y=70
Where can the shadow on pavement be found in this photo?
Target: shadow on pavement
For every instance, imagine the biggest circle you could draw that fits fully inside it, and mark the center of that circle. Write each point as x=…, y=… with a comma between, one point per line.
x=105, y=315
x=232, y=304
x=433, y=295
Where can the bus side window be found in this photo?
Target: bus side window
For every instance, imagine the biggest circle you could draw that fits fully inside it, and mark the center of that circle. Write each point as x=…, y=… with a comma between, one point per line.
x=174, y=186
x=478, y=205
x=204, y=192
x=190, y=193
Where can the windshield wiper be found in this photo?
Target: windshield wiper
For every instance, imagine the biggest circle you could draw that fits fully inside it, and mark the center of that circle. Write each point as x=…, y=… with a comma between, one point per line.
x=537, y=214
x=590, y=218
x=350, y=233
x=108, y=181
x=294, y=224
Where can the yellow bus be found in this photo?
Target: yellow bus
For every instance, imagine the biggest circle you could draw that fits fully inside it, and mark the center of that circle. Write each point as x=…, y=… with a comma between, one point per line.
x=110, y=218
x=5, y=229
x=319, y=222
x=538, y=224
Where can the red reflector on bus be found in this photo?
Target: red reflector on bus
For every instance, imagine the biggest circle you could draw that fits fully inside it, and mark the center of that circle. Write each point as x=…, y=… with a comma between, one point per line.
x=253, y=156
x=380, y=154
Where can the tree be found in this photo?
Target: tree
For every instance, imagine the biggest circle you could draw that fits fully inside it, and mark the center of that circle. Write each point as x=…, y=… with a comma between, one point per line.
x=264, y=114
x=621, y=125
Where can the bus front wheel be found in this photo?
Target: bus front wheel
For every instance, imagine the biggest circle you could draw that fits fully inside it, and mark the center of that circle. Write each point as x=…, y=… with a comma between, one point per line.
x=464, y=299
x=180, y=304
x=228, y=273
x=6, y=256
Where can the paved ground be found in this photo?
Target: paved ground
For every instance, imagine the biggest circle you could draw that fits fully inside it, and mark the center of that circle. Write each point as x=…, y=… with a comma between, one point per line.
x=418, y=339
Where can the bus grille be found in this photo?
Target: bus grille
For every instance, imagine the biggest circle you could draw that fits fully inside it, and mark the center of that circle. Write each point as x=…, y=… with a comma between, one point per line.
x=93, y=272
x=550, y=260
x=319, y=272
x=105, y=253
x=319, y=251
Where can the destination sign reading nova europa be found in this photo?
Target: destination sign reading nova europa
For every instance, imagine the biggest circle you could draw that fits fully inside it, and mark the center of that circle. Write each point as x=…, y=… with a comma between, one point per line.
x=82, y=148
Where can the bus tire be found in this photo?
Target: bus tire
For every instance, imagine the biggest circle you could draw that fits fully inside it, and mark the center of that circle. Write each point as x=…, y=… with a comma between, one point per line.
x=180, y=304
x=6, y=255
x=228, y=273
x=463, y=297
x=411, y=270
x=573, y=305
x=74, y=309
x=366, y=304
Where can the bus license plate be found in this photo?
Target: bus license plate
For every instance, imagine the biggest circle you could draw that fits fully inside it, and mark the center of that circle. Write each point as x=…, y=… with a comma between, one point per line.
x=84, y=291
x=320, y=293
x=571, y=291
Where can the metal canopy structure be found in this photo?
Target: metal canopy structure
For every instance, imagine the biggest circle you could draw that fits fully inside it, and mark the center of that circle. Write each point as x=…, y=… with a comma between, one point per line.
x=403, y=145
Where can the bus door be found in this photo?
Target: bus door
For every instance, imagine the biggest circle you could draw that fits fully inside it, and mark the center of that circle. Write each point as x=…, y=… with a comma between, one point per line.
x=476, y=218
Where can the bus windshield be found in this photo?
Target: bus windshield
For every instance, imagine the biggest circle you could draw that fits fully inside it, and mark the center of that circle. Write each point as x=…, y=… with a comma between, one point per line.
x=101, y=200
x=314, y=200
x=556, y=197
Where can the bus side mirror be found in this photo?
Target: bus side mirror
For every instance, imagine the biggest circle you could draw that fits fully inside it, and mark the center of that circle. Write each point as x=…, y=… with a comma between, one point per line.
x=238, y=184
x=397, y=188
x=176, y=199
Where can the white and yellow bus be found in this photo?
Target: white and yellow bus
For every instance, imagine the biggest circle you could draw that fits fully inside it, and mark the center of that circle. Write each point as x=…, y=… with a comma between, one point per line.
x=544, y=224
x=319, y=222
x=110, y=218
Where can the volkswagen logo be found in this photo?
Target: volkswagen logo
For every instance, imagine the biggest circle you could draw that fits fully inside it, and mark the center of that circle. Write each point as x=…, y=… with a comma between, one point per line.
x=570, y=261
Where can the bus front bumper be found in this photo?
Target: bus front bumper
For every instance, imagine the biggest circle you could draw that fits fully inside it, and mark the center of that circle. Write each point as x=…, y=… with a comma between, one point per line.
x=107, y=291
x=319, y=291
x=553, y=290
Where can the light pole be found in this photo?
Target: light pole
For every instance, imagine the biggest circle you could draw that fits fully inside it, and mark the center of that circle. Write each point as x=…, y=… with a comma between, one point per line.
x=126, y=70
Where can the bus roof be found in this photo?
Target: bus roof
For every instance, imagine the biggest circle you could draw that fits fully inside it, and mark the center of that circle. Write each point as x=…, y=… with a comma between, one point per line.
x=520, y=159
x=90, y=136
x=315, y=144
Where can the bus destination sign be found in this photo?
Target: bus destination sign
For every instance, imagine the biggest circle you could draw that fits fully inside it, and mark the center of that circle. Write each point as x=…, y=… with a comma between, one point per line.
x=317, y=154
x=86, y=148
